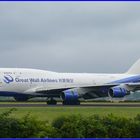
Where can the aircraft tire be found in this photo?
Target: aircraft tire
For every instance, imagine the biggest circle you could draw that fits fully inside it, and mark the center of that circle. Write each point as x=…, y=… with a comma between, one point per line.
x=51, y=102
x=71, y=103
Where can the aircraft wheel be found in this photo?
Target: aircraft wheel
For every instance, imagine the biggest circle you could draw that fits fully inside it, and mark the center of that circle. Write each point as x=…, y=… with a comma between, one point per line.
x=51, y=102
x=71, y=103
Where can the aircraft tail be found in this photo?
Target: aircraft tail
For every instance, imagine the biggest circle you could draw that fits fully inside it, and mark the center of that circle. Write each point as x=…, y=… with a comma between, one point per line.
x=135, y=69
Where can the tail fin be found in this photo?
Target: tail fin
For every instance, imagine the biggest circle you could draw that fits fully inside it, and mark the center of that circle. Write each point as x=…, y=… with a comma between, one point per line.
x=135, y=69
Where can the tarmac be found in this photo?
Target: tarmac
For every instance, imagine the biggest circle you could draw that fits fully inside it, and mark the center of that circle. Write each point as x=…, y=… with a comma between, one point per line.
x=60, y=105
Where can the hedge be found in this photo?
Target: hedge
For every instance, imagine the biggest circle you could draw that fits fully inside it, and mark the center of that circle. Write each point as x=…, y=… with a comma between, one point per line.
x=71, y=126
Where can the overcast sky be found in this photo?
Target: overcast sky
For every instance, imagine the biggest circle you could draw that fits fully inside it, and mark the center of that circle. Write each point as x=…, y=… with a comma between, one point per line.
x=70, y=36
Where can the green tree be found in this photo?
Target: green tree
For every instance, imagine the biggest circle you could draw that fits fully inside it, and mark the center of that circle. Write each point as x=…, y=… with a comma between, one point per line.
x=71, y=126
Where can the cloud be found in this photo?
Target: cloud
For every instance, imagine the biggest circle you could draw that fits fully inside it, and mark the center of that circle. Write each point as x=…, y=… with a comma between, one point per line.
x=70, y=36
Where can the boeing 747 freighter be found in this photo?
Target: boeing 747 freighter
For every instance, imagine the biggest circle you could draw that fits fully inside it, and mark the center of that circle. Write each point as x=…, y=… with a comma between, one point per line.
x=23, y=84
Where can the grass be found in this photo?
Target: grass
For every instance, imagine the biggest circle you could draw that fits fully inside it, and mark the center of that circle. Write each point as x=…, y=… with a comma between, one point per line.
x=50, y=113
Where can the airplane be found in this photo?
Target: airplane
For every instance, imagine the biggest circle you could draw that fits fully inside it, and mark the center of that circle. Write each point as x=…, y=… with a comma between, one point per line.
x=23, y=84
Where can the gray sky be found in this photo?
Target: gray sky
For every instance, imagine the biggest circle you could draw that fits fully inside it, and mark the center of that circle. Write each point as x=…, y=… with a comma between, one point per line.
x=70, y=36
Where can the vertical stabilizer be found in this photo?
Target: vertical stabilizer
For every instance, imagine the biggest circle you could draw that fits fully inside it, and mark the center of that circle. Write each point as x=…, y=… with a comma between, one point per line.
x=135, y=69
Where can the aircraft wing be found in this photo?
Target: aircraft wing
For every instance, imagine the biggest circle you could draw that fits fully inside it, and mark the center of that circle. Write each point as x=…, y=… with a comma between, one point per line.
x=46, y=89
x=86, y=92
x=133, y=86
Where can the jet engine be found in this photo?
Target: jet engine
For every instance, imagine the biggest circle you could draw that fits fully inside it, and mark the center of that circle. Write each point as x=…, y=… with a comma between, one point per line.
x=118, y=92
x=70, y=97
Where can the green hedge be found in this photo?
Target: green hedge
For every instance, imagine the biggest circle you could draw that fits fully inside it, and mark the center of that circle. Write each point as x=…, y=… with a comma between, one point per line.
x=76, y=126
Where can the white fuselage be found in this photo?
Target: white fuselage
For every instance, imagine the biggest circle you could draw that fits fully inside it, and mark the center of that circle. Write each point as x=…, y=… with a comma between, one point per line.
x=26, y=80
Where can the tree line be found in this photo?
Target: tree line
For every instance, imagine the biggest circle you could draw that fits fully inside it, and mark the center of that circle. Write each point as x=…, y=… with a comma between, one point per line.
x=70, y=126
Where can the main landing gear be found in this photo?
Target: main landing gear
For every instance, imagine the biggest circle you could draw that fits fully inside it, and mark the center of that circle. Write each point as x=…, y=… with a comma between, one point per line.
x=51, y=101
x=71, y=103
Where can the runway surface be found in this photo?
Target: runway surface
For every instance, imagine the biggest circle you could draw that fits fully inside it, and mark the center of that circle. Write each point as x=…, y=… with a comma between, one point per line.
x=60, y=105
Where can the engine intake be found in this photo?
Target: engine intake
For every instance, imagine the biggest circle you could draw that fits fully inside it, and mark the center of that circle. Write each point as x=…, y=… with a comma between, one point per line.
x=70, y=97
x=118, y=92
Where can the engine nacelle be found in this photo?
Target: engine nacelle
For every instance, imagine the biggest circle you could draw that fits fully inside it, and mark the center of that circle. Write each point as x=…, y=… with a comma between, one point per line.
x=118, y=92
x=70, y=97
